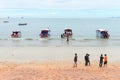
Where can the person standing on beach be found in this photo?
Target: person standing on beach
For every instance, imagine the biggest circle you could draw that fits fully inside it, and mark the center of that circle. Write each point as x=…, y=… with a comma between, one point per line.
x=105, y=60
x=75, y=60
x=67, y=38
x=87, y=60
x=101, y=60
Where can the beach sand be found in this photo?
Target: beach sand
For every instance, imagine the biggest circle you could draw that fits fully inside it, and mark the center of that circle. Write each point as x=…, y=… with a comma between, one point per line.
x=57, y=71
x=56, y=63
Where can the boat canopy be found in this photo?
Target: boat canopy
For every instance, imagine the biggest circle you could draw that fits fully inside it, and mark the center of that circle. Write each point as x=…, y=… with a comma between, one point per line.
x=68, y=30
x=101, y=30
x=45, y=30
x=16, y=31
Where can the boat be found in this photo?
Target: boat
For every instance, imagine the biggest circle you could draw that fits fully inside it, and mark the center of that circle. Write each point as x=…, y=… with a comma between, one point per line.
x=22, y=24
x=102, y=33
x=5, y=21
x=16, y=34
x=67, y=33
x=45, y=33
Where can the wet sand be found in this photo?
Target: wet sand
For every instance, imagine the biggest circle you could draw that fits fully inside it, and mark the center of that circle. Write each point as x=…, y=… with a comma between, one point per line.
x=51, y=53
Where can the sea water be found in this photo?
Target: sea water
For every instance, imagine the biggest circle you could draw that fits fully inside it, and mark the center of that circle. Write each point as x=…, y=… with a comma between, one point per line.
x=84, y=31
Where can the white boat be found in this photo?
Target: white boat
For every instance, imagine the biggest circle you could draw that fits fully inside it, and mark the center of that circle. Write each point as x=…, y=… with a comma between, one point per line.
x=67, y=33
x=45, y=33
x=102, y=33
x=16, y=34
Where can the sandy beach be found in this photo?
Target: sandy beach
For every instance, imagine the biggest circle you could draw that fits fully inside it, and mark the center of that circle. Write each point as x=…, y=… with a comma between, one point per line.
x=56, y=63
x=57, y=71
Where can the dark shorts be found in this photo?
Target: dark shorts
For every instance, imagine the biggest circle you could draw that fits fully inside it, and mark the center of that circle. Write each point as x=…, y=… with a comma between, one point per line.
x=105, y=62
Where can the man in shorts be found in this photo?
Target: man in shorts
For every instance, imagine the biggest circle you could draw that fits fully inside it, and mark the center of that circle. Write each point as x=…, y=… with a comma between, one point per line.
x=105, y=60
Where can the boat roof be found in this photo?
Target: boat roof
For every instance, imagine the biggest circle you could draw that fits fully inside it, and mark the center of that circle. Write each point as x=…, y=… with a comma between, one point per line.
x=101, y=30
x=45, y=29
x=68, y=28
x=16, y=31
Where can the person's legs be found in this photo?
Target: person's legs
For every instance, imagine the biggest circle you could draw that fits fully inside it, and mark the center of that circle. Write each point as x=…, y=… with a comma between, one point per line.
x=105, y=64
x=101, y=63
x=89, y=63
x=75, y=64
x=86, y=63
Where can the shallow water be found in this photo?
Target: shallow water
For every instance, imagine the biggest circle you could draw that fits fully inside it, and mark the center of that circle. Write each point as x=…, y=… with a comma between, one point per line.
x=84, y=31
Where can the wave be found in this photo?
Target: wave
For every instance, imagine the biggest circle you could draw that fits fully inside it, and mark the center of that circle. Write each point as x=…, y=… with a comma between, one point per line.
x=89, y=39
x=115, y=39
x=15, y=38
x=29, y=39
x=71, y=39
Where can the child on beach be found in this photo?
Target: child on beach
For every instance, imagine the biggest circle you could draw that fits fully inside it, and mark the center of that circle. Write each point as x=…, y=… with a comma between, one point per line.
x=105, y=60
x=75, y=60
x=101, y=60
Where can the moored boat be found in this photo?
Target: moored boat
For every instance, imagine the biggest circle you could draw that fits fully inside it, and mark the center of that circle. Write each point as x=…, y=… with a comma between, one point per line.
x=45, y=33
x=22, y=24
x=67, y=33
x=102, y=33
x=16, y=34
x=5, y=21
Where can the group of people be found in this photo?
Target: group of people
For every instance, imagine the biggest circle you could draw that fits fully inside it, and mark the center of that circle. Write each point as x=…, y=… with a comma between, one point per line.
x=103, y=59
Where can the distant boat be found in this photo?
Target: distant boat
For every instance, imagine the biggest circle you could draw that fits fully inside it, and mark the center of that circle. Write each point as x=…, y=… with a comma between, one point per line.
x=102, y=33
x=45, y=33
x=5, y=21
x=16, y=34
x=22, y=24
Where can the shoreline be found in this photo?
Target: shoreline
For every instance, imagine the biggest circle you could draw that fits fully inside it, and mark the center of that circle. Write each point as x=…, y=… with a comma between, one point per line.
x=78, y=42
